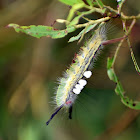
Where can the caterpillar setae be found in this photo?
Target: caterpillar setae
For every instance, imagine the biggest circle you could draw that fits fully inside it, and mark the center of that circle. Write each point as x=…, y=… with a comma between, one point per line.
x=74, y=78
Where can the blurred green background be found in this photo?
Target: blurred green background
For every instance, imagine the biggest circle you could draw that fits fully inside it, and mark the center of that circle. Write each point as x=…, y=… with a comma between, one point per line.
x=29, y=68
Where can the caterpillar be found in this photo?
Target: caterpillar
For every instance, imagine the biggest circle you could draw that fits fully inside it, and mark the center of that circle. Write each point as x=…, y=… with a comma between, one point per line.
x=74, y=79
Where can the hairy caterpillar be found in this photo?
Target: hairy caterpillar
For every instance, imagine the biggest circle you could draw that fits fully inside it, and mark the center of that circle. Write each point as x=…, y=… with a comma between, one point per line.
x=74, y=78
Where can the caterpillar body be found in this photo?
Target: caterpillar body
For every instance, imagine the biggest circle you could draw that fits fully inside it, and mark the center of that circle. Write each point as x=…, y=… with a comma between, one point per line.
x=74, y=78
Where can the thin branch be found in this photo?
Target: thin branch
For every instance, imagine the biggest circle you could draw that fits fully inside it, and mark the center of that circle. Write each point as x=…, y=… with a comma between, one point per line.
x=126, y=34
x=120, y=6
x=122, y=15
x=130, y=47
x=129, y=17
x=92, y=22
x=117, y=51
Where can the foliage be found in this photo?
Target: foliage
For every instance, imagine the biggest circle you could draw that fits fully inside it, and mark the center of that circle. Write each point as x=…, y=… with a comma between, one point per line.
x=72, y=23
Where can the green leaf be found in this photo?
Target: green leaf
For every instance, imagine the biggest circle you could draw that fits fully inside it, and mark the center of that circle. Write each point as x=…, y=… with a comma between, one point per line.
x=90, y=2
x=100, y=3
x=71, y=2
x=110, y=62
x=84, y=31
x=95, y=3
x=77, y=18
x=42, y=31
x=74, y=8
x=119, y=88
x=130, y=103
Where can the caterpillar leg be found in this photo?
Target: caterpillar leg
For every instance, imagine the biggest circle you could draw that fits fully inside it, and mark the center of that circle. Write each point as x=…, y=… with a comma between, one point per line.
x=47, y=123
x=70, y=112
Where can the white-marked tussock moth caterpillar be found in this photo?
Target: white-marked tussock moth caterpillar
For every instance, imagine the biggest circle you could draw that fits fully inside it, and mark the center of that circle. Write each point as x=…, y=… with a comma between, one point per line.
x=74, y=78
